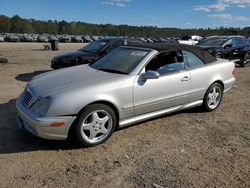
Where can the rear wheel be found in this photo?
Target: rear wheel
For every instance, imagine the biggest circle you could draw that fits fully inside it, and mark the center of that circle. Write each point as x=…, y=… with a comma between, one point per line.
x=96, y=124
x=213, y=97
x=246, y=60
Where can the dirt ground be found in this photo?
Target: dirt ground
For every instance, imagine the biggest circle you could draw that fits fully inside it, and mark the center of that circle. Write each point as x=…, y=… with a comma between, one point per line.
x=187, y=149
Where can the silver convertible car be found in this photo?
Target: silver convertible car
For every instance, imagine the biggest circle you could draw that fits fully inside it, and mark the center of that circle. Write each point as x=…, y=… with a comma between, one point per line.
x=128, y=85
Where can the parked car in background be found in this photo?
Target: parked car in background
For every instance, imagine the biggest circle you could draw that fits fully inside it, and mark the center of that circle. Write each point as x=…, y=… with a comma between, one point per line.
x=2, y=38
x=35, y=36
x=190, y=40
x=27, y=38
x=87, y=38
x=142, y=39
x=149, y=40
x=42, y=38
x=235, y=48
x=13, y=38
x=77, y=38
x=52, y=38
x=65, y=38
x=91, y=52
x=128, y=85
x=95, y=38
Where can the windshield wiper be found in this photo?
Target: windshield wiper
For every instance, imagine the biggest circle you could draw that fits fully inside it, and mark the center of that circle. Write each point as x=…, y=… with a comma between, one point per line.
x=111, y=70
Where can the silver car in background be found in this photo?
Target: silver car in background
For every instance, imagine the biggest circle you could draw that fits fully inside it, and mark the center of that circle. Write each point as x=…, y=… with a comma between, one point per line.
x=128, y=85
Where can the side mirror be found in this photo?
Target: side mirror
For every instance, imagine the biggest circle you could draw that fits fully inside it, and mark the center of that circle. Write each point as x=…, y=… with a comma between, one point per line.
x=228, y=46
x=150, y=75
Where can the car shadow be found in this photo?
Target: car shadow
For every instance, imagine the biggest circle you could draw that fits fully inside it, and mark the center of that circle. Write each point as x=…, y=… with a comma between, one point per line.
x=16, y=140
x=195, y=110
x=26, y=77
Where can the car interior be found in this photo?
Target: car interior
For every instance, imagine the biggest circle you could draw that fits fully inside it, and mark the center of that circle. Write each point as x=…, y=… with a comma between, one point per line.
x=166, y=62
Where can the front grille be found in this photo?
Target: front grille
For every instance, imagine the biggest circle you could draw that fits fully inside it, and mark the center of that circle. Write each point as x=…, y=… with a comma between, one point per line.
x=27, y=98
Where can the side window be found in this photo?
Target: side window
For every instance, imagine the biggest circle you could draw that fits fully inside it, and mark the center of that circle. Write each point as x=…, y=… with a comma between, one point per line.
x=191, y=60
x=166, y=63
x=245, y=41
x=229, y=41
x=233, y=42
x=241, y=42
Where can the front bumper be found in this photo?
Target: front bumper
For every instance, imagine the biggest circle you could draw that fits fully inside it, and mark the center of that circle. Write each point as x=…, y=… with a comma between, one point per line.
x=55, y=65
x=41, y=126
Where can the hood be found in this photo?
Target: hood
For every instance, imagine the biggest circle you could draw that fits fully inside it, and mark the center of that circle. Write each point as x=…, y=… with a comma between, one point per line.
x=66, y=79
x=72, y=54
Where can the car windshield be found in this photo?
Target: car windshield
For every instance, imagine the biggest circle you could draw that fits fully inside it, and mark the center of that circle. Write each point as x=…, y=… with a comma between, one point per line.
x=121, y=60
x=213, y=42
x=94, y=46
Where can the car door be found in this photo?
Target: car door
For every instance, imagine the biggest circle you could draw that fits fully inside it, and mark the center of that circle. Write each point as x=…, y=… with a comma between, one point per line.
x=169, y=90
x=240, y=48
x=236, y=51
x=200, y=77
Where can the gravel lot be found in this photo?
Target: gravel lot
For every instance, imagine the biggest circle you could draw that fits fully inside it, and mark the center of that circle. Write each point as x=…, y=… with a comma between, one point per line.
x=187, y=149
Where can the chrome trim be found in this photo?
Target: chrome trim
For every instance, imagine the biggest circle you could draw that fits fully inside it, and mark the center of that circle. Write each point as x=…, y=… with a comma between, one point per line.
x=150, y=115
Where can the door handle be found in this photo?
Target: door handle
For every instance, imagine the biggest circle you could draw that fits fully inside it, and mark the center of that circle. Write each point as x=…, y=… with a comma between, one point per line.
x=185, y=78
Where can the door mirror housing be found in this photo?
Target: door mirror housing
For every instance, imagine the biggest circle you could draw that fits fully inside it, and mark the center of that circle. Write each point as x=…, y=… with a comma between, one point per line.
x=150, y=75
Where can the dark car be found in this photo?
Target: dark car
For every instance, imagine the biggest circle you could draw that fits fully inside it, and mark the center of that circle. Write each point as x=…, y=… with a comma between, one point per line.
x=236, y=48
x=90, y=52
x=13, y=38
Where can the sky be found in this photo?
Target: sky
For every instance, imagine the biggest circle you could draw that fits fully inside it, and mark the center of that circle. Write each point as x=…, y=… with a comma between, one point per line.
x=160, y=13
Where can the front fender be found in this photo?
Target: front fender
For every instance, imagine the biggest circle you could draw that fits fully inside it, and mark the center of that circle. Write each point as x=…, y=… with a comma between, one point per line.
x=119, y=94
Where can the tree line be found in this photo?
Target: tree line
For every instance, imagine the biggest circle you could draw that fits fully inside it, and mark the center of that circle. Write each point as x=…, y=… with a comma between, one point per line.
x=16, y=24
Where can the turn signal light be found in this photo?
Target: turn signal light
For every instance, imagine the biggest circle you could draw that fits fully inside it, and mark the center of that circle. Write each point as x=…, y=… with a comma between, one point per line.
x=57, y=124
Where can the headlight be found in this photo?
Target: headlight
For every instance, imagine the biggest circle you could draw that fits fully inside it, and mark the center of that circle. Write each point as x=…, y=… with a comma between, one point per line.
x=44, y=106
x=36, y=106
x=41, y=106
x=211, y=51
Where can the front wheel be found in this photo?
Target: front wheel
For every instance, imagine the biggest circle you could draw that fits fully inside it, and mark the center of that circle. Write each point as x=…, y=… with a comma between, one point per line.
x=218, y=56
x=213, y=97
x=96, y=124
x=246, y=60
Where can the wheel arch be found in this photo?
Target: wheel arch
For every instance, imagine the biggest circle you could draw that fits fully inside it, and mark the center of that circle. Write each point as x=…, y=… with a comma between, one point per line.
x=219, y=82
x=219, y=53
x=107, y=103
x=216, y=81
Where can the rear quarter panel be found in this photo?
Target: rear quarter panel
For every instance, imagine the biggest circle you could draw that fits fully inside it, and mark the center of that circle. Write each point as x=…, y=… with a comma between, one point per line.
x=203, y=77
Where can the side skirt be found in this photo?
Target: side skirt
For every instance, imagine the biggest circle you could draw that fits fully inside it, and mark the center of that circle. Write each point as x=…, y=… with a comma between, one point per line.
x=136, y=119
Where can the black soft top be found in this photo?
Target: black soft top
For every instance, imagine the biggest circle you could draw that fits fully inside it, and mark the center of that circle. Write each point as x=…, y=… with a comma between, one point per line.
x=198, y=51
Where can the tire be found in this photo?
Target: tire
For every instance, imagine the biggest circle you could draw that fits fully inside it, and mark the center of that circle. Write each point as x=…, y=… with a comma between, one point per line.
x=213, y=97
x=246, y=60
x=95, y=125
x=218, y=56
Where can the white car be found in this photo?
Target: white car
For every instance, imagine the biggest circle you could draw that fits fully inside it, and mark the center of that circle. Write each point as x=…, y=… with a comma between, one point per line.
x=129, y=85
x=190, y=40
